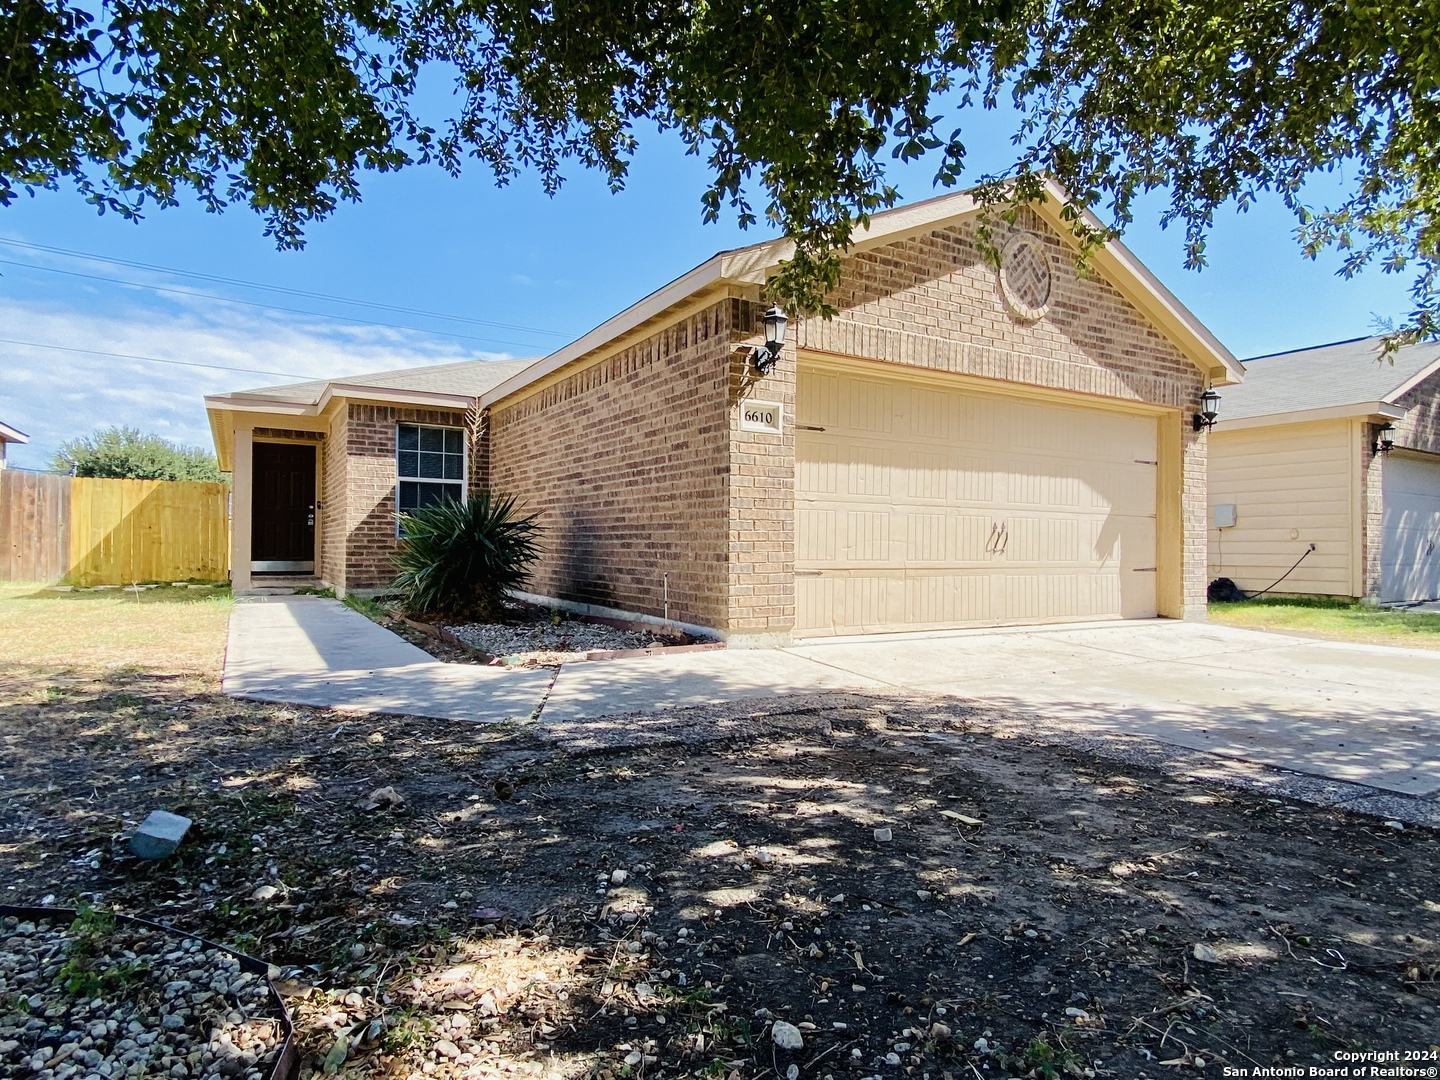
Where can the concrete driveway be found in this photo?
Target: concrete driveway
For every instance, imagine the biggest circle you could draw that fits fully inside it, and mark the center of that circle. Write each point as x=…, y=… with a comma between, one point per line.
x=1362, y=714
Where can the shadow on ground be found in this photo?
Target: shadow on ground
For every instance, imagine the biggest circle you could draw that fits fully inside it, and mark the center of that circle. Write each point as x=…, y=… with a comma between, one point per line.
x=921, y=886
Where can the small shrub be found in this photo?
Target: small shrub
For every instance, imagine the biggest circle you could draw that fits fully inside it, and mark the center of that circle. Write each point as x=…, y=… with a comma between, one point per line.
x=457, y=559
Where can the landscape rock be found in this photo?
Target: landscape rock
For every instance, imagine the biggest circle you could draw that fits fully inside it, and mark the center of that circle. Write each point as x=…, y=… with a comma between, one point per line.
x=383, y=798
x=159, y=835
x=787, y=1036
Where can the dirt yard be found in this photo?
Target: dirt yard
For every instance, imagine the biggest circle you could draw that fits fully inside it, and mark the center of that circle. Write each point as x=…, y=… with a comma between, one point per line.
x=846, y=889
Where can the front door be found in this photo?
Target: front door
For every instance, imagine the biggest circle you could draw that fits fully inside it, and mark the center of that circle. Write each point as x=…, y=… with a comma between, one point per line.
x=283, y=515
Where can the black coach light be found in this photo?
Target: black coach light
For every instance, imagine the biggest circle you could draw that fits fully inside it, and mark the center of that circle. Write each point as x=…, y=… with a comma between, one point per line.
x=768, y=354
x=1384, y=439
x=1209, y=410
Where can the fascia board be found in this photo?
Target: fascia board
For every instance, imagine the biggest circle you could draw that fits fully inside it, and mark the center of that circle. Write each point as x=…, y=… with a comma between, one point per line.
x=260, y=404
x=702, y=277
x=1365, y=410
x=10, y=434
x=357, y=392
x=221, y=430
x=1121, y=266
x=1414, y=381
x=752, y=265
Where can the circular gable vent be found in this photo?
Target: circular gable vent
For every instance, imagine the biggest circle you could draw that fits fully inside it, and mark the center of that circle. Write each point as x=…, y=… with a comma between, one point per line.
x=1025, y=277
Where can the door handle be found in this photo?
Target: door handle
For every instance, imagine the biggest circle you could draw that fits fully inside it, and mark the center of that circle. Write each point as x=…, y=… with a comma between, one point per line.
x=993, y=540
x=1004, y=538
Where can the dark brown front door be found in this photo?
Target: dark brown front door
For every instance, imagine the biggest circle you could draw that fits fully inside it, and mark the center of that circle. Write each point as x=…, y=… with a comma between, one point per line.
x=283, y=515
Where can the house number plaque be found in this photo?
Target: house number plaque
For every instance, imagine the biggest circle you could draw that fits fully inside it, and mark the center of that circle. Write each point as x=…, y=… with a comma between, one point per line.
x=768, y=416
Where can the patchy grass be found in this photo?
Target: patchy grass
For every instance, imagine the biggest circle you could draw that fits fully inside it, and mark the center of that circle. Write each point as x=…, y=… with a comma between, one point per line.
x=370, y=608
x=162, y=630
x=1337, y=620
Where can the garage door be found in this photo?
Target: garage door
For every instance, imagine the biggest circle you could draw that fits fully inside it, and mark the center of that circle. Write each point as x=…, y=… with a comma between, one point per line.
x=1410, y=530
x=919, y=506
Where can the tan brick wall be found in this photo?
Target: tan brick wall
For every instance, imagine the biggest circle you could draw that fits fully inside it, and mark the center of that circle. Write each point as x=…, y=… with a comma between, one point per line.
x=1372, y=506
x=333, y=501
x=1420, y=428
x=762, y=490
x=1195, y=521
x=370, y=479
x=932, y=301
x=625, y=461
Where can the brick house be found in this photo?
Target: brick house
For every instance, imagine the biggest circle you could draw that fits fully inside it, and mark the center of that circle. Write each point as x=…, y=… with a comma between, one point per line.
x=1299, y=457
x=959, y=445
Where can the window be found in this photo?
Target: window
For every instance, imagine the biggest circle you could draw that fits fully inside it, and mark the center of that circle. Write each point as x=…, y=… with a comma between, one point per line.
x=431, y=465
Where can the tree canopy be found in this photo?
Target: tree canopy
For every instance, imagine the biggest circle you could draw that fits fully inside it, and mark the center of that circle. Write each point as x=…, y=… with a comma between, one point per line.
x=795, y=104
x=127, y=453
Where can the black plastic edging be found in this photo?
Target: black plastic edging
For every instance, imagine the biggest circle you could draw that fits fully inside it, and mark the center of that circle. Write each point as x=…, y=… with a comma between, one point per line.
x=287, y=1062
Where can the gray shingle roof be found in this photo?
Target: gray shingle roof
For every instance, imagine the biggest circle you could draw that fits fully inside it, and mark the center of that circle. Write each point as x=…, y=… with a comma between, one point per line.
x=1327, y=376
x=470, y=378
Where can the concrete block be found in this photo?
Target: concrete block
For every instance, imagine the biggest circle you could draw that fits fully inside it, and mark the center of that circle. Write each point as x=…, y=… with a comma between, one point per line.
x=159, y=835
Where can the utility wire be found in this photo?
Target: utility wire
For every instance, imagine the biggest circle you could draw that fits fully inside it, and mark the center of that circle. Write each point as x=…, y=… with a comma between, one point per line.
x=263, y=307
x=281, y=289
x=157, y=360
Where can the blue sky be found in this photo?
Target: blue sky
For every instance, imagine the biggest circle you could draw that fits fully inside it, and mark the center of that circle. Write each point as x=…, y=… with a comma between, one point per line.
x=549, y=269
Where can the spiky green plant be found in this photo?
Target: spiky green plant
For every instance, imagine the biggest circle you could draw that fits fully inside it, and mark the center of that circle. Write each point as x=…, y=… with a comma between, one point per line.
x=457, y=559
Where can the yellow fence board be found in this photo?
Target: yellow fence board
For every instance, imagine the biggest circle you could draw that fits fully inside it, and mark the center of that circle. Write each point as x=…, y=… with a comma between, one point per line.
x=124, y=531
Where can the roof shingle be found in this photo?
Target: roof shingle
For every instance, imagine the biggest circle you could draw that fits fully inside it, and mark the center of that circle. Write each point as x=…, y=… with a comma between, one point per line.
x=469, y=378
x=1326, y=376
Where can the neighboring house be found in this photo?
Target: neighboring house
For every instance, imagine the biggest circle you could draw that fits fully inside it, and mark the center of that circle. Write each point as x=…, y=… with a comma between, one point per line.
x=10, y=435
x=956, y=447
x=1294, y=462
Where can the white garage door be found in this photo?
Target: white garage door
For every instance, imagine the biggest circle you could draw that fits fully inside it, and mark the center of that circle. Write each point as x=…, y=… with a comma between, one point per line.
x=1410, y=530
x=920, y=506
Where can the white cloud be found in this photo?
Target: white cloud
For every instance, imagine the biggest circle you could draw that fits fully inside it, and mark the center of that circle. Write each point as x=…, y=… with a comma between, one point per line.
x=54, y=395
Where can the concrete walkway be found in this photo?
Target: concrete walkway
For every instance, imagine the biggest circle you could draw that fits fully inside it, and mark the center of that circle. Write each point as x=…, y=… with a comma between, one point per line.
x=1362, y=714
x=312, y=651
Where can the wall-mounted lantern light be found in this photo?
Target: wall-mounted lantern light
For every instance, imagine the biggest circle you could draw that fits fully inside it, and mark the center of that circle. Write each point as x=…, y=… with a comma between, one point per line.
x=765, y=357
x=1384, y=439
x=1209, y=410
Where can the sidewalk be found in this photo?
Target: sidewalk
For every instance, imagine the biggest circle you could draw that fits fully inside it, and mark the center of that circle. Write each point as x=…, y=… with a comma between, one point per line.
x=308, y=650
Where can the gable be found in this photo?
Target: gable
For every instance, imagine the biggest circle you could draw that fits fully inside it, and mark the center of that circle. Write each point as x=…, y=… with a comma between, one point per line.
x=933, y=300
x=1419, y=429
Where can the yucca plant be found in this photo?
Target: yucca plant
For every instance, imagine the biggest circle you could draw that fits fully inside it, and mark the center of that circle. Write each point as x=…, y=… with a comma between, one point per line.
x=457, y=559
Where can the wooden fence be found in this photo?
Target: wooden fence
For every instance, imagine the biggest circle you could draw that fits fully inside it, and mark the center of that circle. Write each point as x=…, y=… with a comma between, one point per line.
x=34, y=526
x=112, y=532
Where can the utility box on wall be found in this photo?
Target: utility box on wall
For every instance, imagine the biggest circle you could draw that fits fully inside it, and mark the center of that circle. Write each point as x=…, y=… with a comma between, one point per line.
x=1223, y=516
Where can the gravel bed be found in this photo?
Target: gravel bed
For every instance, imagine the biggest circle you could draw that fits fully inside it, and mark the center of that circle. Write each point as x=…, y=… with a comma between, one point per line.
x=544, y=641
x=105, y=1000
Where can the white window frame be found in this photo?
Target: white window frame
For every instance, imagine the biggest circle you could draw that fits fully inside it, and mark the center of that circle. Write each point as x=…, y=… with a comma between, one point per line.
x=463, y=482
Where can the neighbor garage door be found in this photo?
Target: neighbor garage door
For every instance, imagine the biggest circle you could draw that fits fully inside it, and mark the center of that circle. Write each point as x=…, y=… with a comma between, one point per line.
x=923, y=506
x=1410, y=528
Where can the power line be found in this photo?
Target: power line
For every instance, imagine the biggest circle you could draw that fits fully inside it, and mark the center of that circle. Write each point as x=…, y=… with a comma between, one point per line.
x=281, y=289
x=155, y=359
x=263, y=307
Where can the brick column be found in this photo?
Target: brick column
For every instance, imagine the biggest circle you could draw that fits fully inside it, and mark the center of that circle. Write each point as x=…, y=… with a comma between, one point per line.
x=761, y=496
x=1372, y=509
